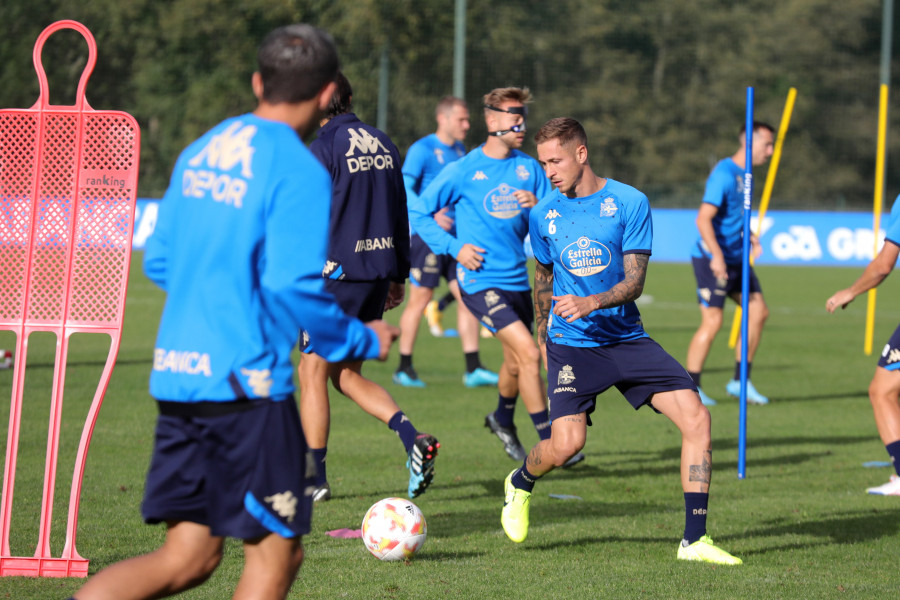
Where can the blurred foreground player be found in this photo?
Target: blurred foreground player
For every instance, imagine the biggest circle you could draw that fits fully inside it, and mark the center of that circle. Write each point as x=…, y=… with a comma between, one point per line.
x=884, y=390
x=229, y=455
x=591, y=241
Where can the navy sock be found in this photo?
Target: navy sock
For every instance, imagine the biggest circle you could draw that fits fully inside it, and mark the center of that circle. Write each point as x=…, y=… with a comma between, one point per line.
x=446, y=301
x=737, y=370
x=318, y=457
x=695, y=505
x=524, y=480
x=541, y=422
x=694, y=376
x=405, y=363
x=506, y=407
x=894, y=450
x=401, y=425
x=472, y=361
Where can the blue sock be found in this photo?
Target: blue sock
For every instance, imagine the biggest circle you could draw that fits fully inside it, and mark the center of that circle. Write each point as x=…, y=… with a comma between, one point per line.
x=524, y=480
x=695, y=505
x=894, y=450
x=402, y=426
x=541, y=422
x=318, y=457
x=506, y=408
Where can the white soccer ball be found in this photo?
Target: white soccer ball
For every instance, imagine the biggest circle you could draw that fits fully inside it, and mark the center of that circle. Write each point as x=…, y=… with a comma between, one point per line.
x=394, y=529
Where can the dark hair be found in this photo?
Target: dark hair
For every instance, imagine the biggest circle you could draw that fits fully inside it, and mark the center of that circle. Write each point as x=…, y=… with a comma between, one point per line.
x=757, y=125
x=567, y=130
x=341, y=99
x=295, y=62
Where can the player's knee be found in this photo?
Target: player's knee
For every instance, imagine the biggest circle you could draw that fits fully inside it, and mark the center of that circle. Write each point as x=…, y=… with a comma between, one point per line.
x=564, y=450
x=195, y=570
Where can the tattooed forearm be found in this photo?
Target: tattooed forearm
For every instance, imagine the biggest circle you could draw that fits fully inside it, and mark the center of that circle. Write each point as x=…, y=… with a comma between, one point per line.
x=702, y=473
x=631, y=287
x=543, y=294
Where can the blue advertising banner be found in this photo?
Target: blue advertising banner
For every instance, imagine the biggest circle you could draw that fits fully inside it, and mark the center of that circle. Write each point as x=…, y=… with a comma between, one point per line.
x=788, y=237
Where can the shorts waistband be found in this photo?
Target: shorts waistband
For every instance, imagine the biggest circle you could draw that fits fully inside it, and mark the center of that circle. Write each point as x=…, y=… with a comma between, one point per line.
x=207, y=408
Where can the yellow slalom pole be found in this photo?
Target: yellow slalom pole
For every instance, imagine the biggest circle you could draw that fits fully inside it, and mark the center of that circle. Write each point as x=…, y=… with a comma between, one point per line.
x=876, y=210
x=766, y=195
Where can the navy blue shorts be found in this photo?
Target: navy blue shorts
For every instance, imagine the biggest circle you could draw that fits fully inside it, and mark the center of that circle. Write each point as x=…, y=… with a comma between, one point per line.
x=638, y=368
x=890, y=356
x=426, y=267
x=244, y=474
x=713, y=295
x=361, y=299
x=497, y=308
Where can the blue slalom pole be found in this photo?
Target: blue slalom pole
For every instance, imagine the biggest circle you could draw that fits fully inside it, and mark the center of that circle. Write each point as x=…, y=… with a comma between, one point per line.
x=745, y=285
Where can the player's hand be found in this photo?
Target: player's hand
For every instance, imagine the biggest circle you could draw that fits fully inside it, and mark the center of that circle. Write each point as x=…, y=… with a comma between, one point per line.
x=719, y=271
x=839, y=299
x=756, y=248
x=526, y=199
x=386, y=335
x=470, y=256
x=441, y=218
x=573, y=307
x=395, y=295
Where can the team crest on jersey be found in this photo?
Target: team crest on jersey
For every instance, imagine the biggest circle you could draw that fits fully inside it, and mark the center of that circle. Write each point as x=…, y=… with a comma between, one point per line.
x=259, y=380
x=479, y=176
x=501, y=203
x=552, y=214
x=439, y=155
x=431, y=260
x=566, y=375
x=522, y=173
x=585, y=257
x=491, y=298
x=608, y=208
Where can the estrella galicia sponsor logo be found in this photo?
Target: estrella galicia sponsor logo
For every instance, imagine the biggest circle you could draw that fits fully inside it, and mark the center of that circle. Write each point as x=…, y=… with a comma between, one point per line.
x=608, y=208
x=491, y=298
x=225, y=151
x=522, y=173
x=374, y=154
x=182, y=361
x=501, y=203
x=585, y=257
x=566, y=375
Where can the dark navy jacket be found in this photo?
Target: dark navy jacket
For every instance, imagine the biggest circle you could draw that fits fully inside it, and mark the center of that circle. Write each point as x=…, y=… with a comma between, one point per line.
x=369, y=228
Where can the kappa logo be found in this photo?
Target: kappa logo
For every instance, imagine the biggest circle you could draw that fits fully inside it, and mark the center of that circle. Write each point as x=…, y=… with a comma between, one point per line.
x=491, y=298
x=305, y=338
x=285, y=504
x=479, y=176
x=330, y=266
x=439, y=155
x=552, y=214
x=259, y=380
x=416, y=274
x=522, y=173
x=705, y=294
x=229, y=148
x=566, y=375
x=487, y=321
x=892, y=354
x=365, y=142
x=376, y=156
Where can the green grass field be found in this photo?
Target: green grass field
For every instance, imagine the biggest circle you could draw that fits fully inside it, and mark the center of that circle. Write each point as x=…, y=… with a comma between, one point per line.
x=800, y=519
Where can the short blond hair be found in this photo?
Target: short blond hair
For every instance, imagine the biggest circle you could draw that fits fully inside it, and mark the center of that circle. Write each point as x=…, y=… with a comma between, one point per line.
x=498, y=96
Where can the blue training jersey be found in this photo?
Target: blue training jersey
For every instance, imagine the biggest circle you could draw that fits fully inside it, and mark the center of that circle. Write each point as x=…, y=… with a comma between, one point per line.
x=893, y=228
x=424, y=160
x=238, y=247
x=487, y=215
x=368, y=232
x=725, y=190
x=585, y=239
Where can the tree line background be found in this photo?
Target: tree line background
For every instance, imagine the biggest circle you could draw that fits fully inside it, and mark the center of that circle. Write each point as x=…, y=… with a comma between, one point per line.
x=660, y=85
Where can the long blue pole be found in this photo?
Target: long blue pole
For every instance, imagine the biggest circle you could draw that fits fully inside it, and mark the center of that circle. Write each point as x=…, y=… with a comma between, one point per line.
x=745, y=285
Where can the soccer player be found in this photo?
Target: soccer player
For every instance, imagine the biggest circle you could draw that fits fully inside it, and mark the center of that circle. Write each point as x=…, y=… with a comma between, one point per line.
x=366, y=269
x=424, y=160
x=717, y=260
x=884, y=390
x=592, y=242
x=492, y=189
x=228, y=457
